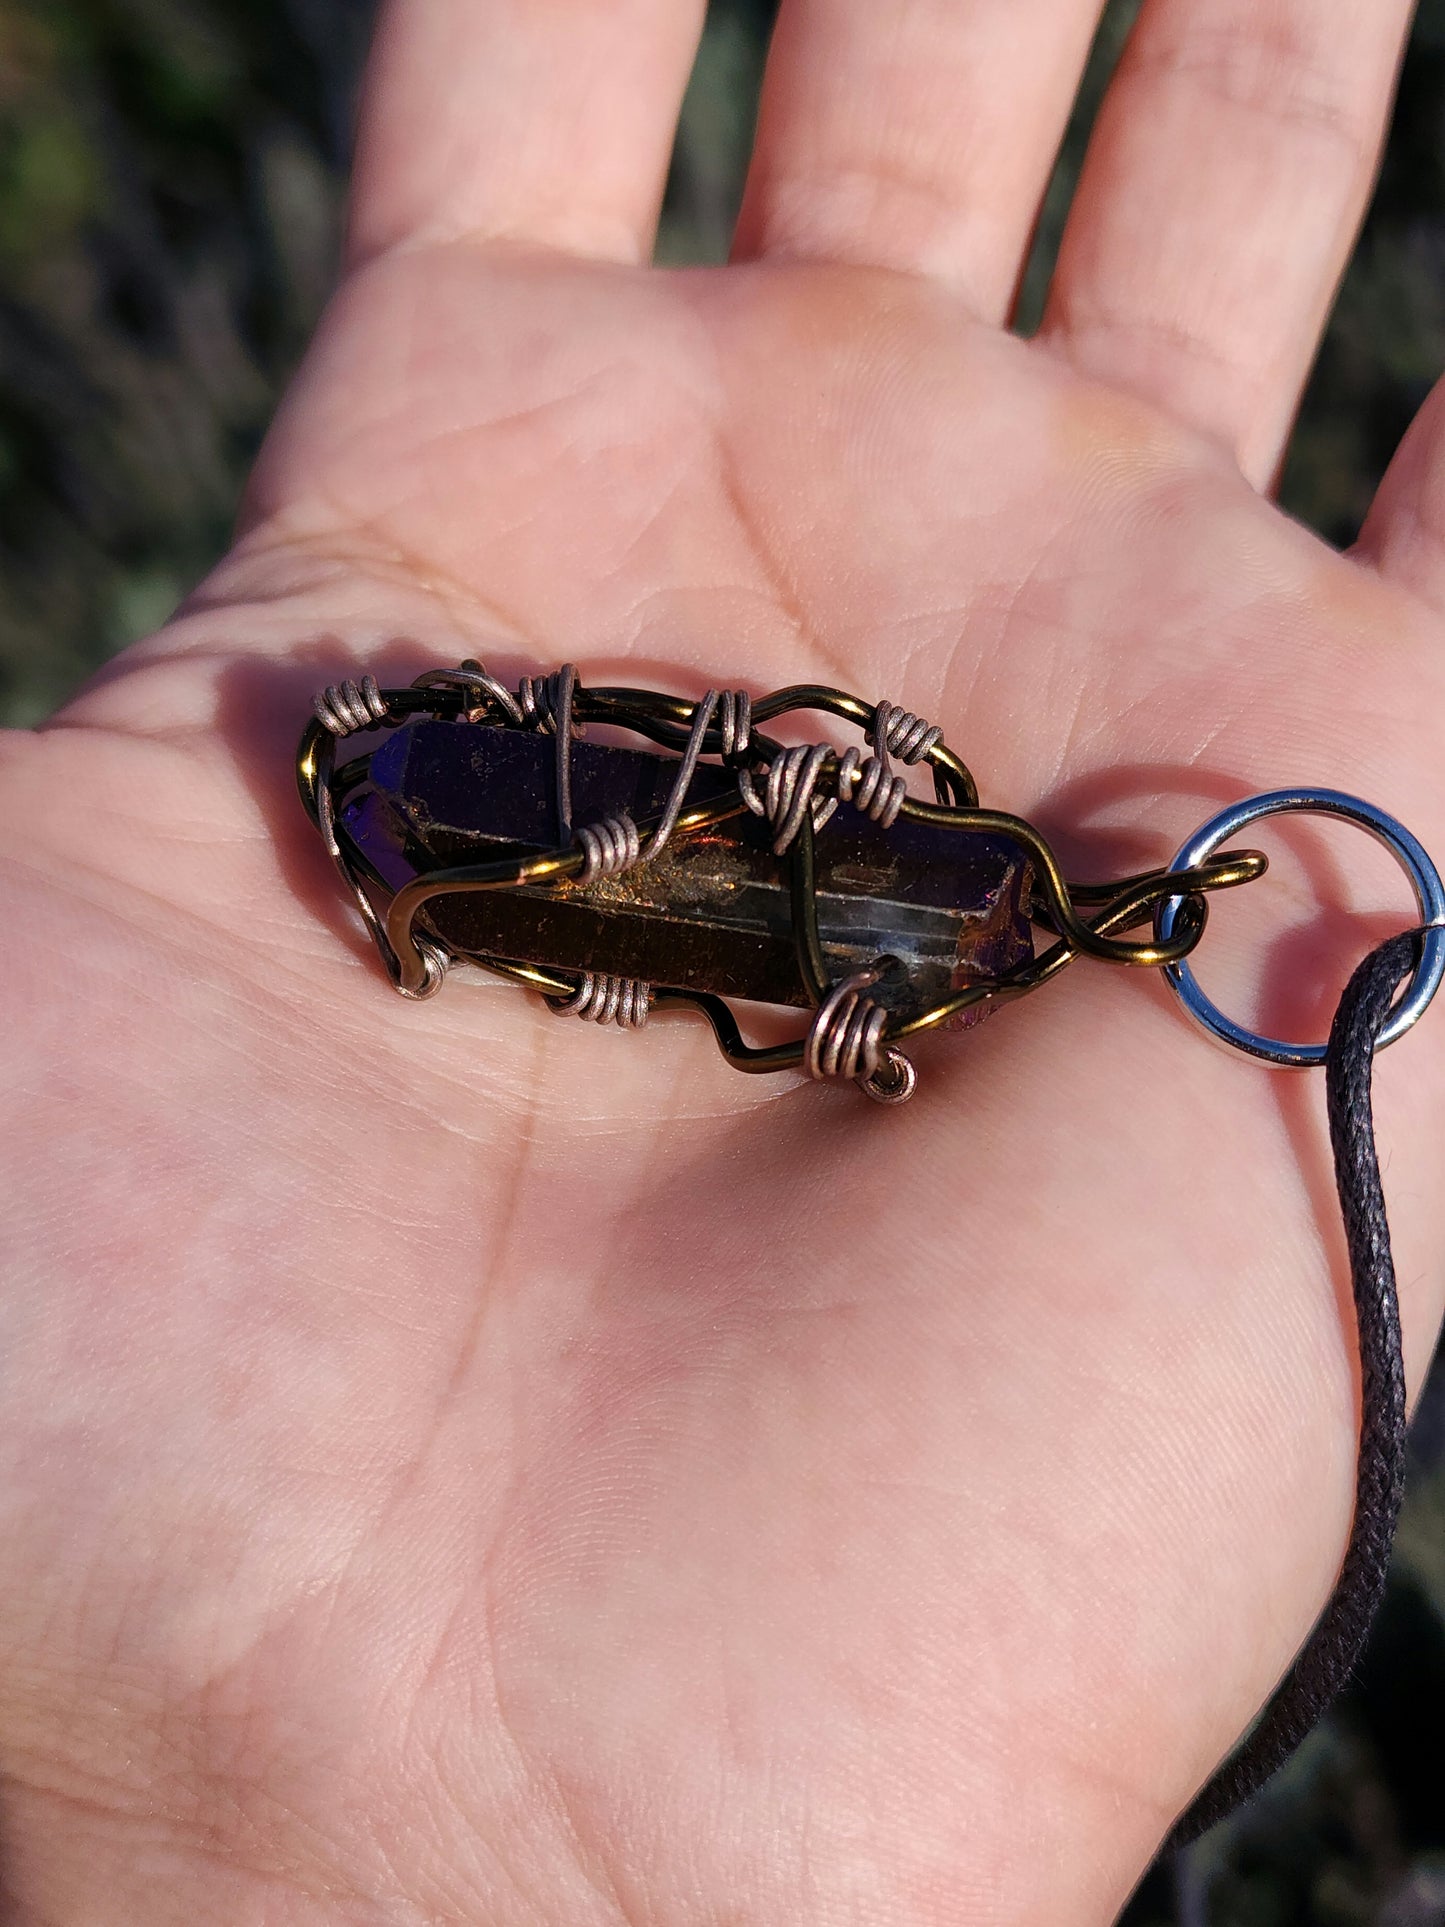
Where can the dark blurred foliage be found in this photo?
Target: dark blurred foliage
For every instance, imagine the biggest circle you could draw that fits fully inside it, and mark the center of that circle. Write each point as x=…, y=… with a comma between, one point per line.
x=169, y=196
x=170, y=206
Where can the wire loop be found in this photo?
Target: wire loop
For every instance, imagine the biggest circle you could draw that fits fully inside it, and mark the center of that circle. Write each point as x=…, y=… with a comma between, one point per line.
x=1409, y=853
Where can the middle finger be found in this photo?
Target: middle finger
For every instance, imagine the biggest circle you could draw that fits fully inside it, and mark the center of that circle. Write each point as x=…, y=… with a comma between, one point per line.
x=917, y=134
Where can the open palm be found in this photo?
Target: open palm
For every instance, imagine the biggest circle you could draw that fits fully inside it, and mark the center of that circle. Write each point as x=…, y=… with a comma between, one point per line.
x=461, y=1466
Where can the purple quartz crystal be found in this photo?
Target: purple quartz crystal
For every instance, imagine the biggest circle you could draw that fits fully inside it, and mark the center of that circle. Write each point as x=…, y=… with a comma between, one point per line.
x=713, y=912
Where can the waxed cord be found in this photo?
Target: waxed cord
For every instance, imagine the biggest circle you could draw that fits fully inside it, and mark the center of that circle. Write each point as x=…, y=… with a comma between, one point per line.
x=1329, y=1655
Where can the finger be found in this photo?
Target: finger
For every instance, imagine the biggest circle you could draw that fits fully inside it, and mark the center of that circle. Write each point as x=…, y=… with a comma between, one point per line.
x=917, y=135
x=1404, y=533
x=546, y=121
x=1221, y=195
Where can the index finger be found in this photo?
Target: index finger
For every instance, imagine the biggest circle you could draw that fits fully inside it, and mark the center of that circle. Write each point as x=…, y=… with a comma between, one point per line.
x=541, y=121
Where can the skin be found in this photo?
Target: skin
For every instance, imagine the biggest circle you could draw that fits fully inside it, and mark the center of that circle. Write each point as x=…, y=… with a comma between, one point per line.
x=458, y=1466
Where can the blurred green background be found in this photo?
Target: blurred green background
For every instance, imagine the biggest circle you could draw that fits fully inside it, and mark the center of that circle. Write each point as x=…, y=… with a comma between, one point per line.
x=170, y=202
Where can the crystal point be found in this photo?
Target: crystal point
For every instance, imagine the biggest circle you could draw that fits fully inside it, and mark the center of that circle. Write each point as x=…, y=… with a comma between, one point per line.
x=713, y=912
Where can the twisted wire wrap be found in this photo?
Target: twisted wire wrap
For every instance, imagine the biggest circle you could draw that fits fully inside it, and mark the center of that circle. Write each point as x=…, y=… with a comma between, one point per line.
x=345, y=707
x=735, y=724
x=604, y=999
x=900, y=733
x=611, y=846
x=868, y=781
x=543, y=699
x=614, y=844
x=871, y=786
x=546, y=703
x=845, y=1040
x=791, y=788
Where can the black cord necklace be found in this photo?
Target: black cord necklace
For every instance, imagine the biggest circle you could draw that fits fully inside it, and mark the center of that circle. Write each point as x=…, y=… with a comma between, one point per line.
x=1323, y=1666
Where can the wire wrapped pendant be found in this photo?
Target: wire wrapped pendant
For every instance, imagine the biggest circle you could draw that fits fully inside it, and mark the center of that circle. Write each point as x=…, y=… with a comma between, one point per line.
x=716, y=862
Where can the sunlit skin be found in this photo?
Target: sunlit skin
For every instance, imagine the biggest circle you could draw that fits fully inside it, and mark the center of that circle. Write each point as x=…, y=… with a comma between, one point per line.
x=459, y=1466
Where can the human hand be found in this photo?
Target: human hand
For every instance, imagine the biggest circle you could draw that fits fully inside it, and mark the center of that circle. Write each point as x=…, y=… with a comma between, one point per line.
x=459, y=1466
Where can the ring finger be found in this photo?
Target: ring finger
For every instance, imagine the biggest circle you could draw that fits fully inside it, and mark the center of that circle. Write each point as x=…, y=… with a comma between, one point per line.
x=1221, y=196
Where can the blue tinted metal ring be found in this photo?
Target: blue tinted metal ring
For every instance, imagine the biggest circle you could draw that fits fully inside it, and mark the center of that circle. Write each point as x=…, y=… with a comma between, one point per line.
x=1408, y=853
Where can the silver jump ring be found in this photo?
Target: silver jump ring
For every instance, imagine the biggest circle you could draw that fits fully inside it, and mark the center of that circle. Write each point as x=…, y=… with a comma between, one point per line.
x=1407, y=851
